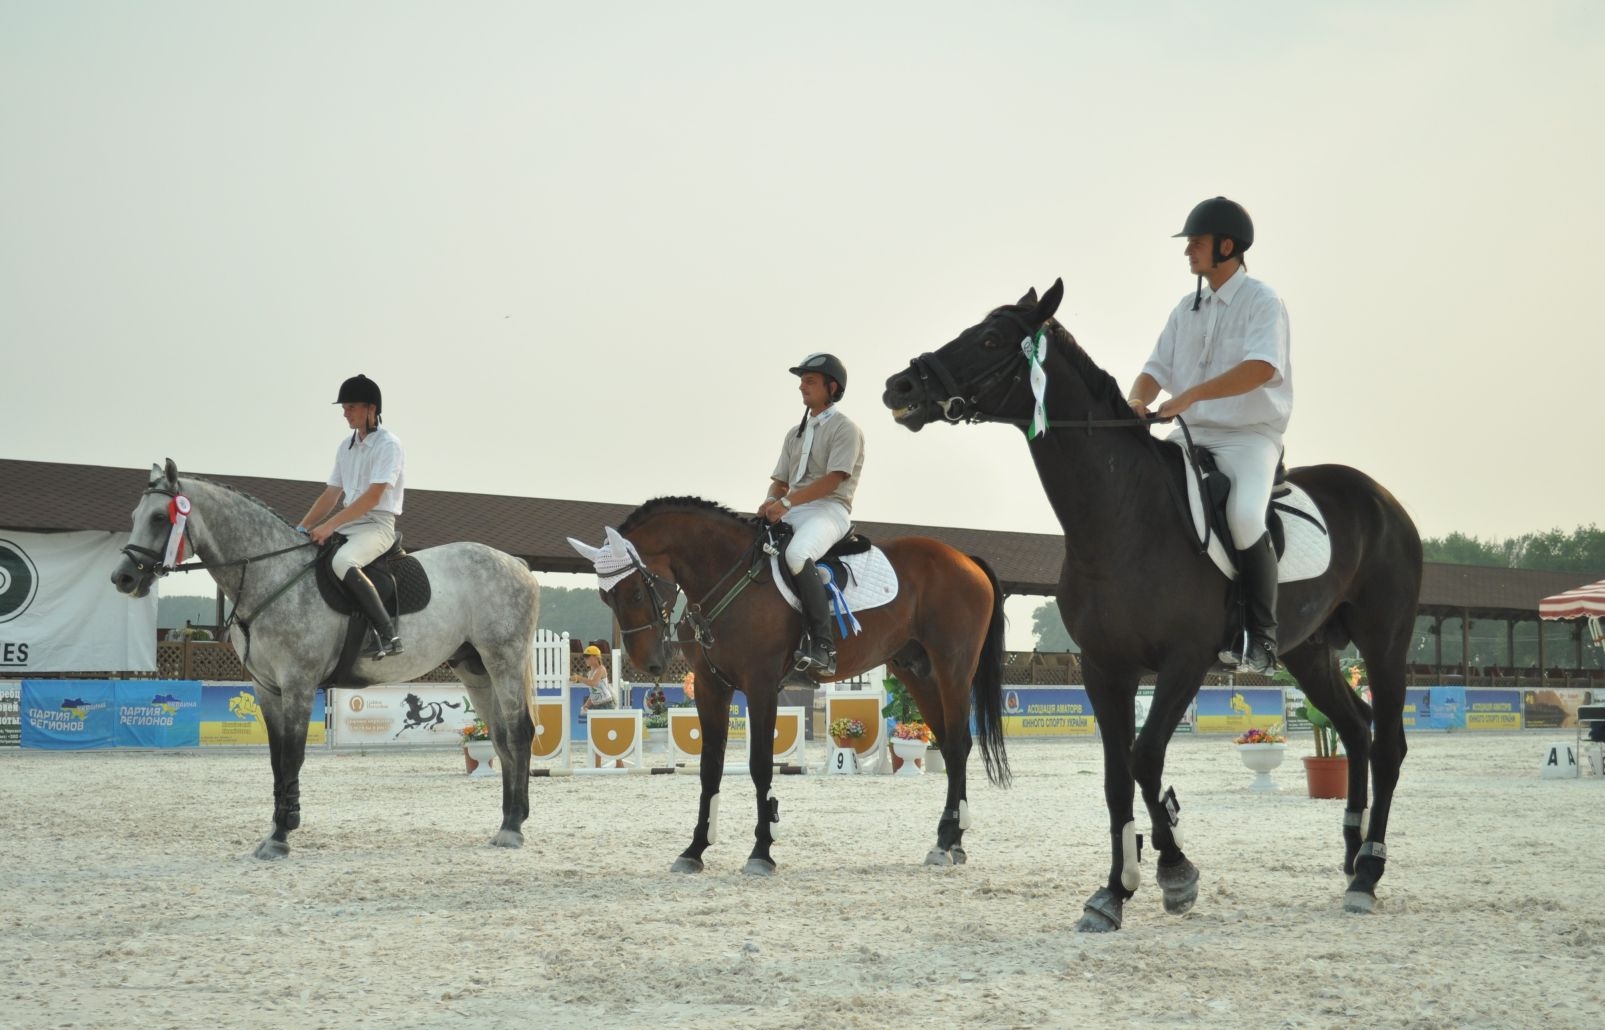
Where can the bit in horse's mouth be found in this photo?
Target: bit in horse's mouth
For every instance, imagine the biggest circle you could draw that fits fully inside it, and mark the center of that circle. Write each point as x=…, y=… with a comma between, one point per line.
x=898, y=414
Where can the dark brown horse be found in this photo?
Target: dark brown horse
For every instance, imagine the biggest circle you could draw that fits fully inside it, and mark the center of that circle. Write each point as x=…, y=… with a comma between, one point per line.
x=1138, y=596
x=942, y=634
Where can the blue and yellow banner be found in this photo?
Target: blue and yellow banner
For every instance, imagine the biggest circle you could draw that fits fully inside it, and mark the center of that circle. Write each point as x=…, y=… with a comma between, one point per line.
x=80, y=715
x=229, y=715
x=1236, y=710
x=1047, y=712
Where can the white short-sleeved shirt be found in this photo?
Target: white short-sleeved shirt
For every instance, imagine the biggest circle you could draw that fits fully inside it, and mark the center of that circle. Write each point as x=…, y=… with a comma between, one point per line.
x=1244, y=320
x=375, y=458
x=838, y=446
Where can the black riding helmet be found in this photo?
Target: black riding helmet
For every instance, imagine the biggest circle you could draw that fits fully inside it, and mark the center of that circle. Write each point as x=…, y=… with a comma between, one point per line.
x=1222, y=219
x=827, y=365
x=359, y=389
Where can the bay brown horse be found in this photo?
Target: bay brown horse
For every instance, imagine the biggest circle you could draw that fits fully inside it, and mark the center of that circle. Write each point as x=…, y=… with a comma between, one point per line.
x=942, y=636
x=1138, y=596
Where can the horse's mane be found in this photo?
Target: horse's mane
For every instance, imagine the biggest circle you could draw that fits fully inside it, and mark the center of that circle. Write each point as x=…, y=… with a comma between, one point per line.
x=657, y=504
x=240, y=493
x=1103, y=387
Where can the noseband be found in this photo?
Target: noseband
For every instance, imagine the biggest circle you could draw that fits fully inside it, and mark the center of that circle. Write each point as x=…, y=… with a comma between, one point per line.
x=158, y=566
x=957, y=407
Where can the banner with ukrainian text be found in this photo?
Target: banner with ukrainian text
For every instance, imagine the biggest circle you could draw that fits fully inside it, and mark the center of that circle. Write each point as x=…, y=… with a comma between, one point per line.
x=59, y=611
x=158, y=713
x=68, y=715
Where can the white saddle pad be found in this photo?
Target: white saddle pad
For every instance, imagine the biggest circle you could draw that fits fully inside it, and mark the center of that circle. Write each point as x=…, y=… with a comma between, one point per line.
x=872, y=581
x=1308, y=549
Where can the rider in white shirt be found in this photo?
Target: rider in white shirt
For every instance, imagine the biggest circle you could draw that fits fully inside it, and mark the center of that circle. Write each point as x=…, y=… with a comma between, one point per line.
x=1223, y=358
x=811, y=489
x=369, y=479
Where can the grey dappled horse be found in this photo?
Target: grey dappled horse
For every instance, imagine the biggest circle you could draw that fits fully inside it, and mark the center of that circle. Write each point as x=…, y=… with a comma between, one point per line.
x=481, y=618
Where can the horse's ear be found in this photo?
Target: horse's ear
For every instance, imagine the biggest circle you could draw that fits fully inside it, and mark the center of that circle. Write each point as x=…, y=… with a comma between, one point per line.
x=1049, y=303
x=1029, y=298
x=156, y=474
x=172, y=474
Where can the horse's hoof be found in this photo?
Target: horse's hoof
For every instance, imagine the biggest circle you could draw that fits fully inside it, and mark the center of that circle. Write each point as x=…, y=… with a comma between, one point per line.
x=686, y=864
x=270, y=849
x=936, y=856
x=1359, y=901
x=1101, y=913
x=1180, y=884
x=507, y=839
x=758, y=867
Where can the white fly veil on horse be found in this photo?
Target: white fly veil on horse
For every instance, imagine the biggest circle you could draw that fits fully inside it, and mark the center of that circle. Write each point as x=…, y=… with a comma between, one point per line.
x=614, y=560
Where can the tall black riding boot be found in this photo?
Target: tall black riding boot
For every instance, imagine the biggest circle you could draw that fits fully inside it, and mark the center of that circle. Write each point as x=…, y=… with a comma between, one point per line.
x=1257, y=568
x=817, y=655
x=367, y=598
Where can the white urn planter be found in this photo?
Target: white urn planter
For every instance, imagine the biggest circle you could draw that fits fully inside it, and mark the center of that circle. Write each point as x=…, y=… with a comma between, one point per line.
x=912, y=752
x=482, y=752
x=1261, y=759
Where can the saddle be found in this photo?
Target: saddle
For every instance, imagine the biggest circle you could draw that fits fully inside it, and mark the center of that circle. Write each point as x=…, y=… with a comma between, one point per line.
x=402, y=584
x=840, y=572
x=1217, y=487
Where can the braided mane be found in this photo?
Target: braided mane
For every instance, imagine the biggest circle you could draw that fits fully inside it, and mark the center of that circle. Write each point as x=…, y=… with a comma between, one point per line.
x=657, y=504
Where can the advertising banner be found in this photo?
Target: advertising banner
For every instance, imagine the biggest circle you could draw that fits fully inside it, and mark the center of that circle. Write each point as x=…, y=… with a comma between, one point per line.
x=403, y=715
x=1435, y=708
x=229, y=715
x=1047, y=712
x=158, y=713
x=1492, y=709
x=1553, y=708
x=68, y=715
x=59, y=613
x=10, y=714
x=1236, y=710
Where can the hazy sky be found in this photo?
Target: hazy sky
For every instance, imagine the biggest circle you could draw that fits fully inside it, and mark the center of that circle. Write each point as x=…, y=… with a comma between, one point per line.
x=579, y=244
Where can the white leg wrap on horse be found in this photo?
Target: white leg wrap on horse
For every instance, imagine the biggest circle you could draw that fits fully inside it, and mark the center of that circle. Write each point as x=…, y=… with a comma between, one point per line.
x=774, y=823
x=964, y=815
x=713, y=819
x=1130, y=876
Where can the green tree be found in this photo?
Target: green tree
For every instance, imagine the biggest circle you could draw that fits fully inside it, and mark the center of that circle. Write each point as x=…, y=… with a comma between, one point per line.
x=1581, y=550
x=579, y=612
x=1049, y=629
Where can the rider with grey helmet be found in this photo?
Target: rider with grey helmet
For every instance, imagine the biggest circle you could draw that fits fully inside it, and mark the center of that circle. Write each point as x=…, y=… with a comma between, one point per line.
x=811, y=489
x=1223, y=358
x=369, y=479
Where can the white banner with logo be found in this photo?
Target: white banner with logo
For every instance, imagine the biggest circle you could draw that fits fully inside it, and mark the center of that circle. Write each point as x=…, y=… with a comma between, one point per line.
x=59, y=611
x=407, y=714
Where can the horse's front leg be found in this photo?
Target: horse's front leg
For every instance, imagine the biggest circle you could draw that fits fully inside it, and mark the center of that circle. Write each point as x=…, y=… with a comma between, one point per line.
x=713, y=710
x=761, y=714
x=1112, y=698
x=1177, y=876
x=285, y=718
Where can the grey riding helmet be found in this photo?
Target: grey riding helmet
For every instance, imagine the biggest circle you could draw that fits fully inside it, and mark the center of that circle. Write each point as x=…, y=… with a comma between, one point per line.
x=827, y=365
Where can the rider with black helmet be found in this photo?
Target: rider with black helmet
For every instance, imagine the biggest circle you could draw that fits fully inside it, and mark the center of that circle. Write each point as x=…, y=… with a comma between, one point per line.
x=369, y=478
x=811, y=489
x=1223, y=358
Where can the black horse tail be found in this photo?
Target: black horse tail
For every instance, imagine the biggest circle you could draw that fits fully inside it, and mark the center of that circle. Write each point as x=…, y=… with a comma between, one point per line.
x=988, y=689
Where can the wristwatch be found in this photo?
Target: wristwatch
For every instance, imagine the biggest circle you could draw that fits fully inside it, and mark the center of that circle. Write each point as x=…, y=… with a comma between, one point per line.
x=785, y=502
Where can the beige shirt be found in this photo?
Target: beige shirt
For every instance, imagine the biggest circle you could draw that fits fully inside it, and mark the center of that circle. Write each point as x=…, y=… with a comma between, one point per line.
x=838, y=446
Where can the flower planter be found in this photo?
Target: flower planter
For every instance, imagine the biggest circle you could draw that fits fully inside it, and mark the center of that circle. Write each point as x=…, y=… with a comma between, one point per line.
x=907, y=756
x=1327, y=777
x=846, y=742
x=479, y=755
x=1261, y=759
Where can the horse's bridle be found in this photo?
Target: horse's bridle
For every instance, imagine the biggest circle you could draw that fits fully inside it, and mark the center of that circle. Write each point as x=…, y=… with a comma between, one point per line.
x=960, y=408
x=158, y=566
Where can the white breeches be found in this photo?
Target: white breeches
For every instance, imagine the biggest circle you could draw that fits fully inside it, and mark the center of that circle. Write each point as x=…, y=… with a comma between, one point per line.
x=1249, y=461
x=366, y=539
x=815, y=526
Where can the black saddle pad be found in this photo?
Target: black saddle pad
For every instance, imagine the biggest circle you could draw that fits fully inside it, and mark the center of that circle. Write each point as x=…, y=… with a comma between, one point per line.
x=400, y=579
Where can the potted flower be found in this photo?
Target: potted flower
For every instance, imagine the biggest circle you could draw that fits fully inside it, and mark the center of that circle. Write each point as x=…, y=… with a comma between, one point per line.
x=1326, y=773
x=1262, y=751
x=845, y=731
x=478, y=751
x=909, y=735
x=655, y=709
